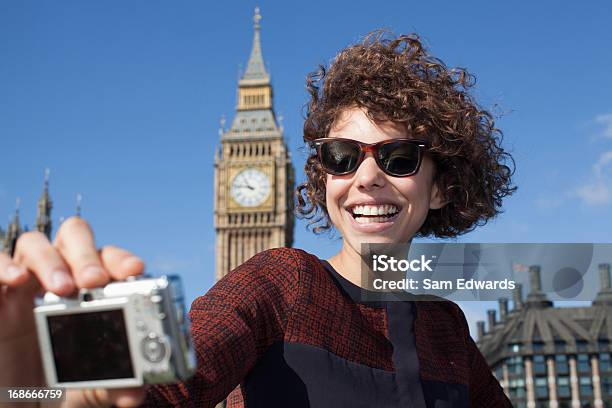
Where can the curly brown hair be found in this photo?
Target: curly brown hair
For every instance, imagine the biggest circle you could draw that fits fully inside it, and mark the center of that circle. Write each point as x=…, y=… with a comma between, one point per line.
x=395, y=78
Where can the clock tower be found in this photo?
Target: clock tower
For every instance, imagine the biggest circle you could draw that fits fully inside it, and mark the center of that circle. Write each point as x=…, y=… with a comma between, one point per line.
x=253, y=172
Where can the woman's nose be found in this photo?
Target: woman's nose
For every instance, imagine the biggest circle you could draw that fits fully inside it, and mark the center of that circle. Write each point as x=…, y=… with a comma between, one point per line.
x=369, y=175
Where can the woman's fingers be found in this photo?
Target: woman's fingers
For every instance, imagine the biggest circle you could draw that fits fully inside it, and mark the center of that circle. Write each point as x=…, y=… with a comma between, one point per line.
x=11, y=274
x=76, y=244
x=34, y=251
x=72, y=262
x=121, y=263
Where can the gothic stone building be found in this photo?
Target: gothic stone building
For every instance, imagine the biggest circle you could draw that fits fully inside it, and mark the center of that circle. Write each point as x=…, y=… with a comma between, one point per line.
x=8, y=239
x=253, y=173
x=253, y=177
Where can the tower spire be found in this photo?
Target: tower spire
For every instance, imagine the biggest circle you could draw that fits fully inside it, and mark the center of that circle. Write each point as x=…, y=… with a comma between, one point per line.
x=254, y=105
x=43, y=218
x=79, y=198
x=16, y=221
x=14, y=231
x=256, y=73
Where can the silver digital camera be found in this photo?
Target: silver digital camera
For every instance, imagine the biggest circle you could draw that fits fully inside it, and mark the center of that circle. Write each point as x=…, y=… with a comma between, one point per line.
x=122, y=335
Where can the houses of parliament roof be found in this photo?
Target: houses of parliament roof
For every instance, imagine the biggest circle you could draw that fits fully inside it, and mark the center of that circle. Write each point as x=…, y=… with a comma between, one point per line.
x=537, y=326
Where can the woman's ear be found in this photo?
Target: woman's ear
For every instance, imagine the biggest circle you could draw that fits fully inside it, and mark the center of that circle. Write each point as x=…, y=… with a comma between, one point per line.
x=436, y=200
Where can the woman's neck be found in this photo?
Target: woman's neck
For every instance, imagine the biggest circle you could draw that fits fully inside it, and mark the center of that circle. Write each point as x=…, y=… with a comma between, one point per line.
x=351, y=265
x=347, y=263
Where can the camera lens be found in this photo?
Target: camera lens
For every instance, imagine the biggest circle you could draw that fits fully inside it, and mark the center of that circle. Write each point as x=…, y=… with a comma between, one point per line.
x=87, y=297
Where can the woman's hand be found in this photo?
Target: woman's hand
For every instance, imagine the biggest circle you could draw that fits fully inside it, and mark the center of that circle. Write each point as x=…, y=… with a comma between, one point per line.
x=71, y=262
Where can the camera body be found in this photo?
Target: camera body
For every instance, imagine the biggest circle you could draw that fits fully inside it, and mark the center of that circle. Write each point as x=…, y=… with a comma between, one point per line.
x=125, y=334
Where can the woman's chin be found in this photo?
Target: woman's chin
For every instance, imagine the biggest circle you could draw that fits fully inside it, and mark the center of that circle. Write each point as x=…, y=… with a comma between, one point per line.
x=358, y=242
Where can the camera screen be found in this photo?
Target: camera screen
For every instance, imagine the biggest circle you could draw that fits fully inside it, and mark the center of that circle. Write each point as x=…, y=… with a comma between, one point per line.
x=90, y=346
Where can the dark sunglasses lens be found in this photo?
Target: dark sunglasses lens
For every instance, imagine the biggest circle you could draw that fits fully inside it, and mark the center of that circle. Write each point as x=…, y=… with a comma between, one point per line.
x=338, y=156
x=399, y=158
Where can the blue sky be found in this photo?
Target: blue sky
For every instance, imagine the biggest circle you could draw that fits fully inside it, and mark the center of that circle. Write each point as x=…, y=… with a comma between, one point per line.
x=122, y=100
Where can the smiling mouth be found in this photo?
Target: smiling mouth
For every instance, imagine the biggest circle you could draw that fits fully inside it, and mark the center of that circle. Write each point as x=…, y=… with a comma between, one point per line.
x=367, y=214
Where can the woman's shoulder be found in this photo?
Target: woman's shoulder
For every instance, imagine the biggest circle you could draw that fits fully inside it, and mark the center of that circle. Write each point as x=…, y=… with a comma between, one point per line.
x=277, y=265
x=283, y=255
x=272, y=276
x=280, y=260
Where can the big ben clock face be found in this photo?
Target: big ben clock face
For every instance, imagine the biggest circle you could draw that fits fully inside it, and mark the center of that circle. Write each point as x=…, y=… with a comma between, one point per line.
x=250, y=187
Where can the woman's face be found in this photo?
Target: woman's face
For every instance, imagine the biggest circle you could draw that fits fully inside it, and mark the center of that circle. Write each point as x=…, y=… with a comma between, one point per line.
x=369, y=190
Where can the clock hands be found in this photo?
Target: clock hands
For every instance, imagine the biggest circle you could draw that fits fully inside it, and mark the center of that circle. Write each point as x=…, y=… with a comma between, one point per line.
x=245, y=185
x=250, y=187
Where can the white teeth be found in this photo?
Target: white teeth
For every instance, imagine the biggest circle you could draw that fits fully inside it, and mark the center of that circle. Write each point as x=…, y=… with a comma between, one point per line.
x=374, y=209
x=369, y=220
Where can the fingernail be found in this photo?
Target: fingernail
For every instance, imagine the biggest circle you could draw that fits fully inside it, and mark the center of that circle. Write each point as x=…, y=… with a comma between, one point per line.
x=131, y=262
x=93, y=273
x=13, y=271
x=61, y=280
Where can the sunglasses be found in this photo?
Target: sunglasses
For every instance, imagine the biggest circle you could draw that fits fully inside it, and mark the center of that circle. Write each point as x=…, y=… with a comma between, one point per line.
x=396, y=157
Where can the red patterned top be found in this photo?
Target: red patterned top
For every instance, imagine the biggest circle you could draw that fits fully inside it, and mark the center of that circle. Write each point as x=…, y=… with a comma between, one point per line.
x=279, y=331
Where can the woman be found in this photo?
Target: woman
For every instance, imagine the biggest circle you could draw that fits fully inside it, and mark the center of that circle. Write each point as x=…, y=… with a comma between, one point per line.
x=399, y=149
